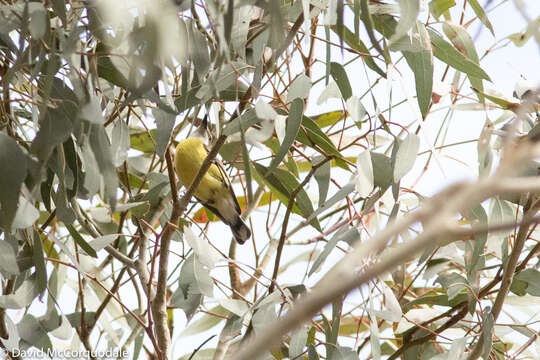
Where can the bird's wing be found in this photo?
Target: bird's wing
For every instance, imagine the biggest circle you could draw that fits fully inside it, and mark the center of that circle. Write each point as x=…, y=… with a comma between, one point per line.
x=227, y=182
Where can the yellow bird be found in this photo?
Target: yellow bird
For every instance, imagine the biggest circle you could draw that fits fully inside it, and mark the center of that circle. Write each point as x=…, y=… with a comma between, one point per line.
x=215, y=191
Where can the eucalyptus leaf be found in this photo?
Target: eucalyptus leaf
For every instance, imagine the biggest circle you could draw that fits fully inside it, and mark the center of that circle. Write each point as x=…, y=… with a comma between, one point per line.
x=405, y=156
x=438, y=7
x=22, y=297
x=8, y=263
x=165, y=124
x=26, y=214
x=409, y=10
x=322, y=176
x=120, y=142
x=421, y=63
x=207, y=322
x=34, y=334
x=364, y=174
x=479, y=11
x=12, y=342
x=298, y=342
x=101, y=148
x=299, y=88
x=294, y=121
x=12, y=158
x=449, y=55
x=340, y=77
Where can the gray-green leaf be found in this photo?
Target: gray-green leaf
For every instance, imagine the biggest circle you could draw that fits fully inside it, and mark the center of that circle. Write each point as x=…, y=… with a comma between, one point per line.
x=12, y=158
x=406, y=156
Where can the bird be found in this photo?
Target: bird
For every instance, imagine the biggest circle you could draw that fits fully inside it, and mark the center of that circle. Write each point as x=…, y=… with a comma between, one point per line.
x=215, y=191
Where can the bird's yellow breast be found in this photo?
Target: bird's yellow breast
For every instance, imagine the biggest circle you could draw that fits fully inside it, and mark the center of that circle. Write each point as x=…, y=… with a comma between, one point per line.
x=189, y=156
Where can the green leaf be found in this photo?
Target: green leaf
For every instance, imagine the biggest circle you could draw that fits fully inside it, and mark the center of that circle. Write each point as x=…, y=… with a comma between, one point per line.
x=340, y=77
x=356, y=110
x=421, y=63
x=283, y=183
x=228, y=19
x=453, y=283
x=461, y=39
x=45, y=190
x=531, y=279
x=364, y=180
x=165, y=124
x=39, y=261
x=73, y=162
x=8, y=263
x=405, y=156
x=445, y=52
x=328, y=119
x=521, y=38
x=80, y=240
x=26, y=214
x=311, y=135
x=478, y=218
x=264, y=315
x=367, y=19
x=240, y=30
x=331, y=330
x=503, y=103
x=355, y=43
x=299, y=88
x=39, y=23
x=101, y=242
x=501, y=212
x=101, y=148
x=107, y=70
x=143, y=141
x=409, y=10
x=292, y=126
x=137, y=344
x=188, y=296
x=322, y=176
x=479, y=11
x=382, y=170
x=330, y=245
x=297, y=342
x=189, y=99
x=13, y=340
x=312, y=353
x=243, y=121
x=223, y=79
x=54, y=129
x=430, y=299
x=59, y=7
x=198, y=50
x=438, y=7
x=34, y=334
x=12, y=158
x=346, y=353
x=75, y=318
x=488, y=323
x=338, y=196
x=206, y=322
x=119, y=142
x=22, y=297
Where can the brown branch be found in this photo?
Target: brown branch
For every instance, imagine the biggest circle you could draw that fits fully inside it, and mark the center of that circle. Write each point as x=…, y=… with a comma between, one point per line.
x=529, y=212
x=436, y=216
x=159, y=302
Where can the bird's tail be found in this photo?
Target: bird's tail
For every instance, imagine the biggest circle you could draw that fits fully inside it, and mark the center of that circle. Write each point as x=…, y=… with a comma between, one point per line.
x=240, y=230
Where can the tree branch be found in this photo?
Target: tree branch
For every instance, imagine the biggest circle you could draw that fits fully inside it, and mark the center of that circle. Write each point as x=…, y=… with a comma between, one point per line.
x=436, y=216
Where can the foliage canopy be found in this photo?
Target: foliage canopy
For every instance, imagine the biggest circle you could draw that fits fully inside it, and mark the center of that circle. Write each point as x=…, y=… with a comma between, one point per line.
x=312, y=108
